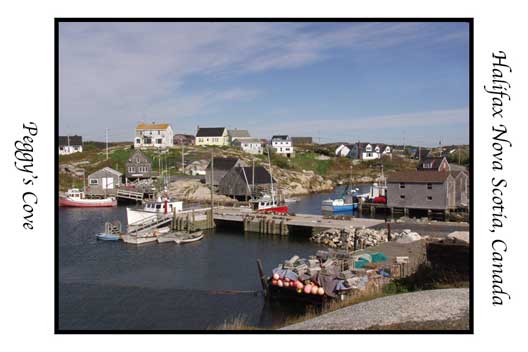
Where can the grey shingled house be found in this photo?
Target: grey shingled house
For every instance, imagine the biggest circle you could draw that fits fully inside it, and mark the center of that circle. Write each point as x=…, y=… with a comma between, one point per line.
x=103, y=180
x=221, y=168
x=138, y=166
x=239, y=181
x=430, y=190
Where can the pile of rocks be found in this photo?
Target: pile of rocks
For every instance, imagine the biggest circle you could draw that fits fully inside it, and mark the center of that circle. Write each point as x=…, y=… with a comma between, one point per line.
x=406, y=236
x=353, y=238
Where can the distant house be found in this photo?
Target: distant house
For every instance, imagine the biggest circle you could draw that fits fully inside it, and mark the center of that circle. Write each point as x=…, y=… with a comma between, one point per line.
x=249, y=145
x=138, y=166
x=433, y=164
x=282, y=145
x=221, y=167
x=152, y=135
x=212, y=136
x=240, y=182
x=343, y=151
x=70, y=144
x=370, y=151
x=421, y=190
x=104, y=179
x=237, y=134
x=185, y=139
x=301, y=140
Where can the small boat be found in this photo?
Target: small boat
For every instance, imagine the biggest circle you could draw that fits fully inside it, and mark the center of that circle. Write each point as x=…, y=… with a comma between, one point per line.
x=108, y=236
x=158, y=207
x=146, y=236
x=193, y=237
x=75, y=198
x=180, y=237
x=291, y=200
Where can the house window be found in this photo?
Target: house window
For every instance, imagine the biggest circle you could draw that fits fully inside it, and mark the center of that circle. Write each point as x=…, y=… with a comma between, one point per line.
x=147, y=140
x=402, y=185
x=402, y=196
x=94, y=181
x=159, y=132
x=429, y=198
x=429, y=186
x=158, y=141
x=138, y=141
x=131, y=169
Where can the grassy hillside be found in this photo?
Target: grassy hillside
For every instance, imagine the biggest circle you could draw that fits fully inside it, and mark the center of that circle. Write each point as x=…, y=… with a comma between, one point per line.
x=317, y=158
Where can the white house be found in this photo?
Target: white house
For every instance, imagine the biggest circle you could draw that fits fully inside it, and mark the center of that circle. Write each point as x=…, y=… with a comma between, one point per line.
x=212, y=136
x=282, y=144
x=342, y=150
x=237, y=134
x=70, y=144
x=249, y=145
x=149, y=135
x=367, y=151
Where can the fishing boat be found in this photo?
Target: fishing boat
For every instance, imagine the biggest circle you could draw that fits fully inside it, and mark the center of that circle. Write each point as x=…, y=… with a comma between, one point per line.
x=158, y=207
x=76, y=198
x=346, y=202
x=268, y=203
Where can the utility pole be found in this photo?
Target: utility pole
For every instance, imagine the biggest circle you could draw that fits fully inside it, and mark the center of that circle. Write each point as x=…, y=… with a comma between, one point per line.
x=212, y=177
x=253, y=179
x=459, y=156
x=106, y=135
x=183, y=158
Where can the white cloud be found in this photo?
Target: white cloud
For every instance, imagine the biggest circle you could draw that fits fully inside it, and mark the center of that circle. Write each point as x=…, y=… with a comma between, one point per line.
x=118, y=73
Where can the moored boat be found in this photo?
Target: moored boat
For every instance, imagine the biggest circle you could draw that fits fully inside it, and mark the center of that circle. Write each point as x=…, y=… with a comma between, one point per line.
x=268, y=204
x=338, y=205
x=75, y=198
x=158, y=207
x=193, y=237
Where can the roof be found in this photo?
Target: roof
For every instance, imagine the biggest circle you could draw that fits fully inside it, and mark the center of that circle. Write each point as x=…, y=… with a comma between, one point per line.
x=435, y=162
x=210, y=132
x=106, y=170
x=251, y=140
x=421, y=152
x=223, y=163
x=74, y=140
x=236, y=133
x=262, y=175
x=141, y=155
x=152, y=126
x=417, y=177
x=280, y=136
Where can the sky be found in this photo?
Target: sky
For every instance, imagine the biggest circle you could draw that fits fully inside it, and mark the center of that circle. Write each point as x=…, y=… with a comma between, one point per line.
x=395, y=83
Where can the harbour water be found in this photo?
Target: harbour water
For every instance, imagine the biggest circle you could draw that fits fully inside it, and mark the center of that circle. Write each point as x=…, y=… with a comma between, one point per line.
x=113, y=285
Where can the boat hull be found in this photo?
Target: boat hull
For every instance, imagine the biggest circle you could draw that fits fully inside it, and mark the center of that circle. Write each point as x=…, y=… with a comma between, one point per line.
x=87, y=203
x=280, y=209
x=339, y=208
x=107, y=237
x=138, y=239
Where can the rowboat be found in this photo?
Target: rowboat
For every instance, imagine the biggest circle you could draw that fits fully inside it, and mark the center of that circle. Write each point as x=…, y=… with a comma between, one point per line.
x=144, y=237
x=196, y=236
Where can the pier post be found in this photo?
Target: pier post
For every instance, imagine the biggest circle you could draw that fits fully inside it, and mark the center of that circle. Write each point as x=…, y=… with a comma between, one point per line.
x=372, y=210
x=406, y=212
x=429, y=214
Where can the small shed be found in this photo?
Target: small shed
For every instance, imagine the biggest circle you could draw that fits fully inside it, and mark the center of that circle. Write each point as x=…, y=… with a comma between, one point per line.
x=241, y=182
x=138, y=166
x=104, y=179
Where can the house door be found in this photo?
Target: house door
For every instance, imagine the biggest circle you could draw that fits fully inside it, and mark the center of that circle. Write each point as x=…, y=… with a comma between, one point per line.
x=108, y=182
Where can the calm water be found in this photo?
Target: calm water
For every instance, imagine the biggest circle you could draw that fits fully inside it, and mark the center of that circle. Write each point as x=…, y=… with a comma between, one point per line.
x=113, y=285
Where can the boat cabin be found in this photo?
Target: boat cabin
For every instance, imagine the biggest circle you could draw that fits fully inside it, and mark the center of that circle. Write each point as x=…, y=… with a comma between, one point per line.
x=159, y=206
x=75, y=193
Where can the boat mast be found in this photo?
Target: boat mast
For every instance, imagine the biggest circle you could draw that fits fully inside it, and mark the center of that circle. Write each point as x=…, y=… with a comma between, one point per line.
x=271, y=178
x=106, y=138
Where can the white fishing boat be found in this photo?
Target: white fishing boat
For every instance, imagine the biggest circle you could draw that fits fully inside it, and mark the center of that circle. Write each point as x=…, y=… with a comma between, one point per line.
x=291, y=200
x=158, y=207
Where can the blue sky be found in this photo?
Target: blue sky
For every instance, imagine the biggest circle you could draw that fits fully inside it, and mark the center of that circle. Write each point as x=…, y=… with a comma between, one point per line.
x=380, y=82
